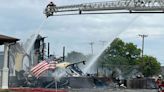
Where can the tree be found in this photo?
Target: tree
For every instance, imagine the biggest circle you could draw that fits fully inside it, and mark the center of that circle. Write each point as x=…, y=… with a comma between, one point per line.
x=132, y=53
x=149, y=65
x=125, y=56
x=120, y=53
x=75, y=56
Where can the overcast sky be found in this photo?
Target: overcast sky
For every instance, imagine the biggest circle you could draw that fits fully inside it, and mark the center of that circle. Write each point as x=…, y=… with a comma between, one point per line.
x=21, y=18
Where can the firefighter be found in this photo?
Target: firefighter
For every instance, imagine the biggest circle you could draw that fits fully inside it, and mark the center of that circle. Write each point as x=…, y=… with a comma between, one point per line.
x=51, y=4
x=50, y=9
x=159, y=80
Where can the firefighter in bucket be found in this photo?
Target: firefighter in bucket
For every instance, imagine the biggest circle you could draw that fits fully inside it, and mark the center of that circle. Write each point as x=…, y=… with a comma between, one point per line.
x=50, y=9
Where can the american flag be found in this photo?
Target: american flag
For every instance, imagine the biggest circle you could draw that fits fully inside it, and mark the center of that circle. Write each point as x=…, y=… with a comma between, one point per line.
x=41, y=67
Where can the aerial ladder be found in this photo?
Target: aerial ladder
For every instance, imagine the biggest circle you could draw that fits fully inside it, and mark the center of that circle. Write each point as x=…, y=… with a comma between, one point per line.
x=116, y=6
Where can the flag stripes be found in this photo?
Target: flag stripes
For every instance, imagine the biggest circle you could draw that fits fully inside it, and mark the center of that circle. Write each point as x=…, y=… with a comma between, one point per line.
x=47, y=67
x=38, y=66
x=41, y=67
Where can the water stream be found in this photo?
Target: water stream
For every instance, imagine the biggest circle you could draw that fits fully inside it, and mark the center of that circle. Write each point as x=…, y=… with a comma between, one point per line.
x=90, y=64
x=30, y=42
x=28, y=45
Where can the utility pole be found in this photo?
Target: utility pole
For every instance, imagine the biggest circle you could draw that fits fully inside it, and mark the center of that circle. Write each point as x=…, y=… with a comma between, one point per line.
x=91, y=43
x=103, y=42
x=143, y=38
x=64, y=53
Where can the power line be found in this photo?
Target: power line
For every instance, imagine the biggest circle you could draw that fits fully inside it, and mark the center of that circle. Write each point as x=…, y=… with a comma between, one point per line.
x=103, y=42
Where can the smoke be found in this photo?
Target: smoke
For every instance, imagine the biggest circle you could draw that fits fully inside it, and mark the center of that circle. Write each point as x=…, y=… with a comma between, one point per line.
x=59, y=73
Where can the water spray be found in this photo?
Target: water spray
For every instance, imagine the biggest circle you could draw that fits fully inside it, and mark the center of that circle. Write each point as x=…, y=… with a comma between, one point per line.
x=94, y=59
x=32, y=41
x=29, y=43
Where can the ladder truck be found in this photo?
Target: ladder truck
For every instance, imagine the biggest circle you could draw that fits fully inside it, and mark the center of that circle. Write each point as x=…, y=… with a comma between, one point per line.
x=119, y=6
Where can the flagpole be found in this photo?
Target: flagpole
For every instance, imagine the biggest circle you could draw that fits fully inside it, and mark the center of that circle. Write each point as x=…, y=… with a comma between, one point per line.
x=56, y=85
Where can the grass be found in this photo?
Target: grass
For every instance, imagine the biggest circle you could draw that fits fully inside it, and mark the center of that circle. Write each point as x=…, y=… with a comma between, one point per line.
x=4, y=90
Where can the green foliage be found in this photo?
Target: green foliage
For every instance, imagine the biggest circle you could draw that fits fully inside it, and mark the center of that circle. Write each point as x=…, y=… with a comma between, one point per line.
x=149, y=65
x=120, y=54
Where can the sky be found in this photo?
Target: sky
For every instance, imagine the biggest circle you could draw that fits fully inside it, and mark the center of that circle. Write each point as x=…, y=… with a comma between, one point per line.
x=21, y=18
